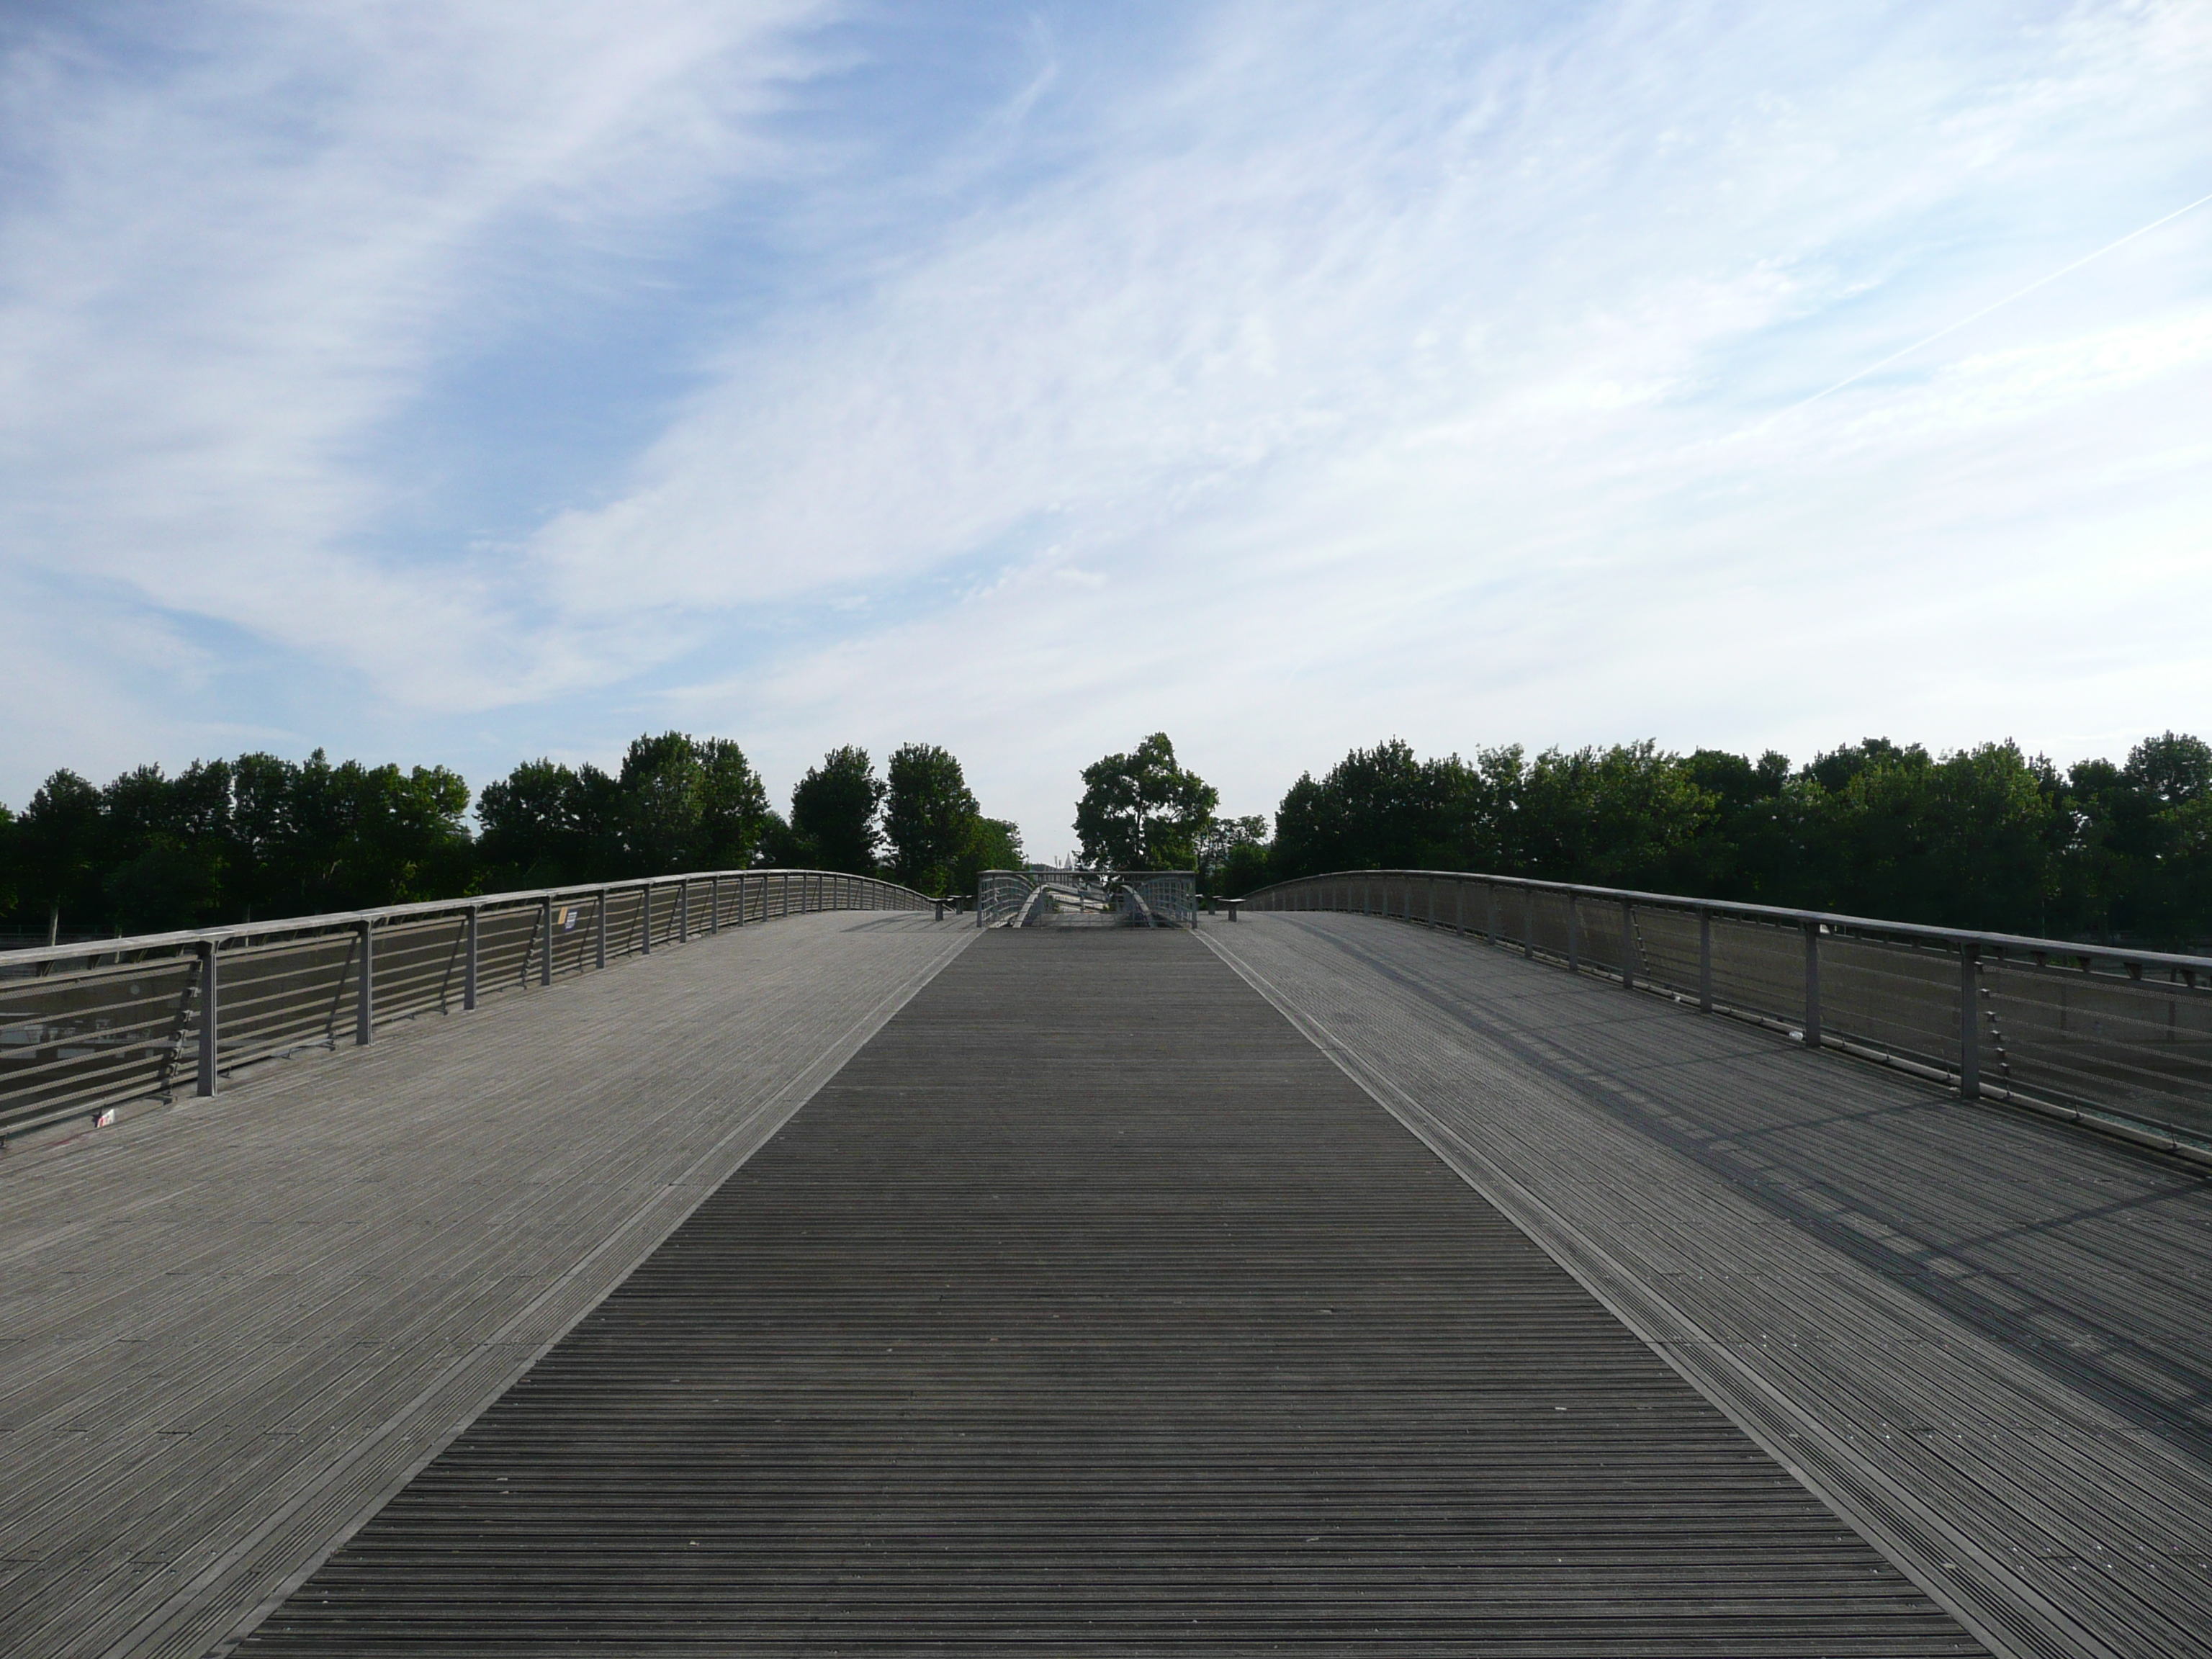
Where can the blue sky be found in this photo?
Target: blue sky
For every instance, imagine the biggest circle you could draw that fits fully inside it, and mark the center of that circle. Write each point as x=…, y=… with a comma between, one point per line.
x=465, y=383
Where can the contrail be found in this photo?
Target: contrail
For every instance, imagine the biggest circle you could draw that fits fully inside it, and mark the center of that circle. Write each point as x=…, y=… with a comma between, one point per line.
x=1997, y=305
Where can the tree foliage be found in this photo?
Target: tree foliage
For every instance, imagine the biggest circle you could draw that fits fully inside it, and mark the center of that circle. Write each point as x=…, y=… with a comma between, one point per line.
x=833, y=813
x=1984, y=837
x=938, y=836
x=1142, y=811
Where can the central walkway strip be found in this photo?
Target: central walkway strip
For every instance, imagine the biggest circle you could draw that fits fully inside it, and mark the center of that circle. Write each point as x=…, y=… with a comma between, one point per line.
x=1089, y=1306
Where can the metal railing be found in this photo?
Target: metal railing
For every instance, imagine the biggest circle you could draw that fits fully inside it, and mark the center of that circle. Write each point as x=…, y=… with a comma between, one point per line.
x=1017, y=898
x=2108, y=1032
x=88, y=1027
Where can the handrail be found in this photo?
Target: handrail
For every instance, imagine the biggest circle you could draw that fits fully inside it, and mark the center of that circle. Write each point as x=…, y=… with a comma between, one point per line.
x=2088, y=1031
x=1834, y=921
x=1009, y=898
x=126, y=1017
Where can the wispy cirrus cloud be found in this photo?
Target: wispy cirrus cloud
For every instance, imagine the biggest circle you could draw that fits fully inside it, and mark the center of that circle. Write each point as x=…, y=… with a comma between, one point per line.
x=1279, y=376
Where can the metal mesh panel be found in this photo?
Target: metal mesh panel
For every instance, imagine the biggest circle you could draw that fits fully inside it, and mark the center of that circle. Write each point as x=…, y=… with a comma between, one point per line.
x=99, y=1034
x=419, y=965
x=1760, y=968
x=1900, y=1000
x=1601, y=940
x=1667, y=949
x=275, y=997
x=2139, y=1045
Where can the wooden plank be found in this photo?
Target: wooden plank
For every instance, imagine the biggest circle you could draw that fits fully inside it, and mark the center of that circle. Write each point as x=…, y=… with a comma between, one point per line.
x=1985, y=1337
x=1089, y=1307
x=228, y=1330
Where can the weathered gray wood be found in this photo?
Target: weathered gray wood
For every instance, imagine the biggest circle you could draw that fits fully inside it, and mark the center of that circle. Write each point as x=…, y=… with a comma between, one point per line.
x=1090, y=1310
x=228, y=1330
x=1986, y=1338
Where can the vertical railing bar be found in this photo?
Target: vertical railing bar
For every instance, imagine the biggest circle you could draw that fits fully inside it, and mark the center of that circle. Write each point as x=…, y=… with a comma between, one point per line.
x=1704, y=960
x=364, y=1014
x=545, y=961
x=469, y=960
x=1627, y=944
x=1574, y=931
x=1812, y=987
x=647, y=891
x=1970, y=1022
x=600, y=928
x=211, y=1019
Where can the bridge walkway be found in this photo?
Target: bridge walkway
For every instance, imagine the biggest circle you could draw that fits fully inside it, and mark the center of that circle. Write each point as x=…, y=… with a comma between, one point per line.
x=1984, y=1336
x=230, y=1330
x=1089, y=1306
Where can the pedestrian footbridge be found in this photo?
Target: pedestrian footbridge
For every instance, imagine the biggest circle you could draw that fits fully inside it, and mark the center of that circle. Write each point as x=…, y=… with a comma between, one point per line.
x=1346, y=1276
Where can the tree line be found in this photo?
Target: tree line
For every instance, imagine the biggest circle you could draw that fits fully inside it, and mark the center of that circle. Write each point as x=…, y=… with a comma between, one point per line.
x=263, y=837
x=1987, y=837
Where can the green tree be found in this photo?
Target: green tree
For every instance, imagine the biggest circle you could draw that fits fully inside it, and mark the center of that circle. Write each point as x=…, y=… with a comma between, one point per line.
x=991, y=844
x=1142, y=811
x=60, y=841
x=661, y=805
x=1227, y=841
x=733, y=809
x=929, y=819
x=1629, y=816
x=833, y=811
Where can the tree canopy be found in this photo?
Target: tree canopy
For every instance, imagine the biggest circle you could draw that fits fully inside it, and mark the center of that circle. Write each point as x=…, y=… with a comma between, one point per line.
x=1142, y=811
x=1982, y=837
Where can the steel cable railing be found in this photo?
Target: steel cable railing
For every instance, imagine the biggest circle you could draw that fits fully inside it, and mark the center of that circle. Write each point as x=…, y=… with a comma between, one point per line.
x=86, y=1027
x=2120, y=1035
x=1016, y=898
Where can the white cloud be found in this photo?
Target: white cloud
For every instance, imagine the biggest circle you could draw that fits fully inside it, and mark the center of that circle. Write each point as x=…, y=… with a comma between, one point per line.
x=1310, y=377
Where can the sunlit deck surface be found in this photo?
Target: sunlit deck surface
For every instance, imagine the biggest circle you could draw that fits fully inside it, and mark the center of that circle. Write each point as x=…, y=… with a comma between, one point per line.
x=1318, y=1281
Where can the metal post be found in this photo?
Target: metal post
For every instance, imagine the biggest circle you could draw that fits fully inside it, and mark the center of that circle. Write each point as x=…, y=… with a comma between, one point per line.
x=468, y=964
x=603, y=927
x=545, y=963
x=364, y=1014
x=647, y=891
x=1529, y=923
x=1970, y=1022
x=208, y=1019
x=1574, y=940
x=1812, y=987
x=713, y=904
x=1432, y=900
x=1459, y=906
x=1704, y=960
x=1490, y=912
x=684, y=911
x=1627, y=944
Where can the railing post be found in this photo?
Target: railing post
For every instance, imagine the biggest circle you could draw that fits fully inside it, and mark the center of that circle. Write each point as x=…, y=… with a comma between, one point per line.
x=1627, y=944
x=714, y=904
x=1490, y=912
x=468, y=964
x=1432, y=900
x=364, y=1012
x=1574, y=933
x=1704, y=960
x=648, y=920
x=1529, y=923
x=1459, y=905
x=603, y=927
x=545, y=961
x=1970, y=1022
x=684, y=911
x=1812, y=987
x=209, y=1018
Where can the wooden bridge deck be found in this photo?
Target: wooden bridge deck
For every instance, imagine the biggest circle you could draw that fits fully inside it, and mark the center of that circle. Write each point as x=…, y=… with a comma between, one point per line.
x=1985, y=1338
x=1091, y=1305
